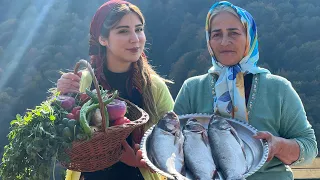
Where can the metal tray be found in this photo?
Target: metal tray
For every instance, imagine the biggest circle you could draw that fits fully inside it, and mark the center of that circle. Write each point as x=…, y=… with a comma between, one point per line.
x=256, y=150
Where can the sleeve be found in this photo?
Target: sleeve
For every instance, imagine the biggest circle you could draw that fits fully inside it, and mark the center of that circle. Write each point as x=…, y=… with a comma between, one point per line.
x=163, y=99
x=72, y=175
x=151, y=176
x=182, y=103
x=294, y=125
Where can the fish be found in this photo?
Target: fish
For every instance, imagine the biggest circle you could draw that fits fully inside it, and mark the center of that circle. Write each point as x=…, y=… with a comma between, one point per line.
x=197, y=151
x=166, y=146
x=227, y=149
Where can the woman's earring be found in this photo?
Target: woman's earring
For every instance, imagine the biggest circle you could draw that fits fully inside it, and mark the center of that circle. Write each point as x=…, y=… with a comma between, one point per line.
x=103, y=41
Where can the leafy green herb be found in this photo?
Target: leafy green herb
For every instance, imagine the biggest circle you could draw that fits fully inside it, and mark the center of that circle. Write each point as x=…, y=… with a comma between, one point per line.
x=35, y=143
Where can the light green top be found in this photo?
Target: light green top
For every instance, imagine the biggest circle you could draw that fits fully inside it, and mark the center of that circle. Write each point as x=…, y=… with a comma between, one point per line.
x=162, y=97
x=273, y=106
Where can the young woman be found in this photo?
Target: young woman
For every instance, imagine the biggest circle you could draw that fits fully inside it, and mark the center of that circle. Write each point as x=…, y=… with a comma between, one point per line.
x=236, y=87
x=117, y=42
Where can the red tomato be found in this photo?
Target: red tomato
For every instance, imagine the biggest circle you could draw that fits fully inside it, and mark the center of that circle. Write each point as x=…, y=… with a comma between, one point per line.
x=121, y=120
x=70, y=116
x=75, y=109
x=84, y=97
x=77, y=115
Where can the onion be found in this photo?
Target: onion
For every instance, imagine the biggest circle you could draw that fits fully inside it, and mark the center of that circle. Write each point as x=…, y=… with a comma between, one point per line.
x=94, y=129
x=116, y=109
x=96, y=118
x=66, y=102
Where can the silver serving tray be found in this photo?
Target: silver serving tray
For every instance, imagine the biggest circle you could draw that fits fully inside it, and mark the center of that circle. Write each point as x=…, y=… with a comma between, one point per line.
x=256, y=150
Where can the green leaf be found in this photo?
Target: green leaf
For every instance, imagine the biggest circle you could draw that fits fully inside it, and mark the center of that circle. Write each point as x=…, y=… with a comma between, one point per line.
x=19, y=117
x=14, y=122
x=52, y=117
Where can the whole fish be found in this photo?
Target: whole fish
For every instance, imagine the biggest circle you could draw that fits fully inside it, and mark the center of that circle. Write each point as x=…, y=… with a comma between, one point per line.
x=197, y=151
x=227, y=148
x=166, y=146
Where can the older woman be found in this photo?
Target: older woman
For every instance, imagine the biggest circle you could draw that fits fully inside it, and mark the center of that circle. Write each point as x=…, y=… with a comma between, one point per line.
x=236, y=87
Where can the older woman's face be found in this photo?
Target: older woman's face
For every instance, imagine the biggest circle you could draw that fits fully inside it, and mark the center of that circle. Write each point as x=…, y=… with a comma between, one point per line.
x=227, y=38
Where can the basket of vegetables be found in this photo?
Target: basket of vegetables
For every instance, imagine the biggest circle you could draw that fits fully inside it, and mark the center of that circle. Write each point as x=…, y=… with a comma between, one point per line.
x=81, y=131
x=113, y=119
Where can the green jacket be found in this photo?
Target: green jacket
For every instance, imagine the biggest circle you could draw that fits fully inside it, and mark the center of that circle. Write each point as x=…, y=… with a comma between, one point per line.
x=273, y=106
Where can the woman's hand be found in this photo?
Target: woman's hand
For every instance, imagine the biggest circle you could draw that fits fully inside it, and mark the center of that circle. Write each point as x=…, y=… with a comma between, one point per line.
x=69, y=83
x=286, y=150
x=273, y=143
x=132, y=157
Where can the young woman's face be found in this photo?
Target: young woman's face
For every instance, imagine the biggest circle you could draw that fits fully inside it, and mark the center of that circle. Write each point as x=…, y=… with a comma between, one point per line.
x=126, y=40
x=227, y=38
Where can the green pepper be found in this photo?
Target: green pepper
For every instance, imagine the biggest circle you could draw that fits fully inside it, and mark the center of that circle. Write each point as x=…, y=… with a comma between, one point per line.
x=92, y=96
x=83, y=120
x=88, y=107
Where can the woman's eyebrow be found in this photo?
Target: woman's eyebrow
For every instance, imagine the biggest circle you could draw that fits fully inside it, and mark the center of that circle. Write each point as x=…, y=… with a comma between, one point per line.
x=216, y=30
x=233, y=29
x=229, y=29
x=119, y=27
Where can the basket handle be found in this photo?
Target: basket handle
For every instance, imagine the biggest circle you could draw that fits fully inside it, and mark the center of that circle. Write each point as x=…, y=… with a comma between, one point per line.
x=96, y=85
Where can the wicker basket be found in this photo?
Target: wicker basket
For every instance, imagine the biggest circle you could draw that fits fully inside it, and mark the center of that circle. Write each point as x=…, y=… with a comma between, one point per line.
x=104, y=148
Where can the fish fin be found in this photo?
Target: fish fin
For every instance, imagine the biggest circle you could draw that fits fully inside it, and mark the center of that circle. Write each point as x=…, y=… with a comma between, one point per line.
x=217, y=175
x=177, y=137
x=183, y=170
x=171, y=168
x=239, y=140
x=240, y=178
x=205, y=138
x=155, y=161
x=170, y=163
x=235, y=134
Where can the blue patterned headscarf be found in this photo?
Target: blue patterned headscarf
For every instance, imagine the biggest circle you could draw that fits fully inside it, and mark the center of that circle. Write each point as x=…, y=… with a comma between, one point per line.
x=229, y=97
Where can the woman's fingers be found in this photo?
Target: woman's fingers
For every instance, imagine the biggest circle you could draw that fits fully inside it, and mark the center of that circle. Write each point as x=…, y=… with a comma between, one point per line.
x=143, y=163
x=263, y=135
x=136, y=147
x=67, y=87
x=139, y=154
x=71, y=76
x=271, y=143
x=68, y=83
